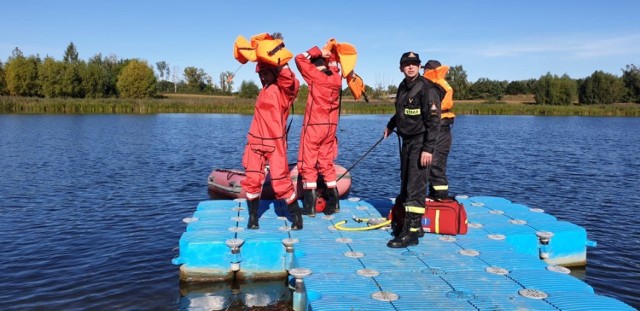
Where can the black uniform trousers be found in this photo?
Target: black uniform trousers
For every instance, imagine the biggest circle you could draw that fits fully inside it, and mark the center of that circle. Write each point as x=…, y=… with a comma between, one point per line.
x=413, y=190
x=439, y=185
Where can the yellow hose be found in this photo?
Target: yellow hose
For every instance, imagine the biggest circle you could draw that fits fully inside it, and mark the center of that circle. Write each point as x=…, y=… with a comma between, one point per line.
x=380, y=225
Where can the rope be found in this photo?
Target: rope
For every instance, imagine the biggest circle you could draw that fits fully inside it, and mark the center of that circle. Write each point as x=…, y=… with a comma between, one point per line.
x=362, y=157
x=230, y=78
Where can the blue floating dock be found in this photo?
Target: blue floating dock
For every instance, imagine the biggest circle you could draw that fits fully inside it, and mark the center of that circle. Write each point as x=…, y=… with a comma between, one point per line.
x=512, y=257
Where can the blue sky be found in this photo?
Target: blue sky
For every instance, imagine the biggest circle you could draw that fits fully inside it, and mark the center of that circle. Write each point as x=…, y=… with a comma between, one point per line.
x=498, y=40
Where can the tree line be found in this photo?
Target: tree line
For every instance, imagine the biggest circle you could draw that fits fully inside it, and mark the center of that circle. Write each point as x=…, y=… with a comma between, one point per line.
x=549, y=89
x=599, y=88
x=100, y=77
x=108, y=77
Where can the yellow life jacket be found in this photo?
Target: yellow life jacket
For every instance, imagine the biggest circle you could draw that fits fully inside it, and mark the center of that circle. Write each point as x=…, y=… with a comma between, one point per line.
x=438, y=75
x=269, y=50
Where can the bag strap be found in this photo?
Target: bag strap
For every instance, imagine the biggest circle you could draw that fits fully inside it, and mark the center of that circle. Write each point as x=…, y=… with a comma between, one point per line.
x=416, y=88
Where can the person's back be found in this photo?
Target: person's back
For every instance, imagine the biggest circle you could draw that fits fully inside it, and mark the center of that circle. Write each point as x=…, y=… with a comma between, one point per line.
x=322, y=105
x=318, y=142
x=273, y=104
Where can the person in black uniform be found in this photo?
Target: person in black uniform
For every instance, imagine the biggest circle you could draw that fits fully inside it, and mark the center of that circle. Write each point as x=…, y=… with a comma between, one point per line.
x=416, y=120
x=439, y=184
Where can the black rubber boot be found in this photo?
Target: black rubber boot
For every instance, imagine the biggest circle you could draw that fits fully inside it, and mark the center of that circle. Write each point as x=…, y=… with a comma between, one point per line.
x=438, y=195
x=253, y=214
x=296, y=216
x=333, y=201
x=396, y=228
x=309, y=202
x=397, y=218
x=409, y=234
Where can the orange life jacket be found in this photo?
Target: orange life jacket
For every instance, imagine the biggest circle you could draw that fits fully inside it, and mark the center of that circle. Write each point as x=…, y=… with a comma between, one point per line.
x=438, y=75
x=271, y=51
x=356, y=85
x=243, y=51
x=347, y=55
x=262, y=48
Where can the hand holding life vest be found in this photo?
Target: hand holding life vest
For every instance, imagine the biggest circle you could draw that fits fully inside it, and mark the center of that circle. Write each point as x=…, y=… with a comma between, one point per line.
x=262, y=48
x=346, y=55
x=331, y=44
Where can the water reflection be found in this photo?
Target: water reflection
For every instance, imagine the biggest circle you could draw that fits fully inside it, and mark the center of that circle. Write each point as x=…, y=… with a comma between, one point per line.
x=579, y=272
x=232, y=295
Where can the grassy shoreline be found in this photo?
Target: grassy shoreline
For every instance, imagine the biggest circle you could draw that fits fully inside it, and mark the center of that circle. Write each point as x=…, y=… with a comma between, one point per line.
x=182, y=103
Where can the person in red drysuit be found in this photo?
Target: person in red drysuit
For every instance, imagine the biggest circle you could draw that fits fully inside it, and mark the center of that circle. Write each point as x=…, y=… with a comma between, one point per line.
x=318, y=141
x=267, y=142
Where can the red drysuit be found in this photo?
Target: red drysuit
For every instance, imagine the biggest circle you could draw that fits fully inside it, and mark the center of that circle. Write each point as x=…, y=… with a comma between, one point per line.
x=267, y=141
x=318, y=142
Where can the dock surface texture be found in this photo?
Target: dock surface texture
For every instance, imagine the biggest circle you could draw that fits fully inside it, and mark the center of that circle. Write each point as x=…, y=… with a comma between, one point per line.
x=502, y=263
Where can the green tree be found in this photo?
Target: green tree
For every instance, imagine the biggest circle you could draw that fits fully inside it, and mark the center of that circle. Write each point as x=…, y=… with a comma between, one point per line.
x=165, y=86
x=248, y=89
x=568, y=89
x=163, y=70
x=367, y=89
x=72, y=79
x=303, y=93
x=211, y=87
x=516, y=88
x=226, y=82
x=95, y=81
x=531, y=85
x=346, y=93
x=113, y=67
x=136, y=80
x=392, y=89
x=601, y=88
x=16, y=53
x=379, y=91
x=195, y=78
x=486, y=89
x=631, y=80
x=3, y=82
x=50, y=73
x=70, y=54
x=457, y=79
x=554, y=90
x=21, y=74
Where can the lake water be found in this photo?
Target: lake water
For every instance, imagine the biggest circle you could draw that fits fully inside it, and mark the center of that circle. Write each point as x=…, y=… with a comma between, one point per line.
x=92, y=205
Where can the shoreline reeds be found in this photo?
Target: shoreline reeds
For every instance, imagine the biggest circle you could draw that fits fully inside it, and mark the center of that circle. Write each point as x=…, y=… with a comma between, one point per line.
x=233, y=105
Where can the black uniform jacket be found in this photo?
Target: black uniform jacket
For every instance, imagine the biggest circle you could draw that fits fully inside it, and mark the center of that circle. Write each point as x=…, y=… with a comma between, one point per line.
x=418, y=111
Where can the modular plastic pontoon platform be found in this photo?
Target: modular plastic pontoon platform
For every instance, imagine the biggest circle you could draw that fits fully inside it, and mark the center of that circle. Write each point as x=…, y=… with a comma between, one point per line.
x=512, y=258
